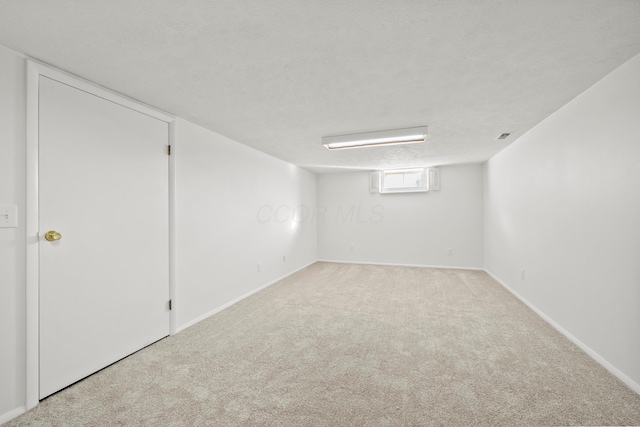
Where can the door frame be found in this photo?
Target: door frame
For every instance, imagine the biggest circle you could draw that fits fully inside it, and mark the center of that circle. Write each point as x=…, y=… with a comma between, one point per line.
x=34, y=71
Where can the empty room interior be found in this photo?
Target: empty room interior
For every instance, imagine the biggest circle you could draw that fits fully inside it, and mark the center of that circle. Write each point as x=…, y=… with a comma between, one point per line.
x=316, y=214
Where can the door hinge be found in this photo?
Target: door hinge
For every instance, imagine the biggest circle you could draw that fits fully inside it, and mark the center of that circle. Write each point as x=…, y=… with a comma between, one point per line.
x=170, y=305
x=168, y=150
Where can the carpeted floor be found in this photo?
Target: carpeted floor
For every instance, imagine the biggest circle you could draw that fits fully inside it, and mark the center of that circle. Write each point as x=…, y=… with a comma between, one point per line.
x=355, y=345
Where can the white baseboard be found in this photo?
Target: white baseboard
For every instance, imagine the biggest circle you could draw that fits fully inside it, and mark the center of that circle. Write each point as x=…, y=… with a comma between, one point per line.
x=8, y=416
x=595, y=356
x=401, y=265
x=240, y=298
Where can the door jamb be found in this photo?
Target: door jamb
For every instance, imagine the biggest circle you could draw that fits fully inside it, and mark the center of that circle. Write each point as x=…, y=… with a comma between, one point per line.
x=36, y=69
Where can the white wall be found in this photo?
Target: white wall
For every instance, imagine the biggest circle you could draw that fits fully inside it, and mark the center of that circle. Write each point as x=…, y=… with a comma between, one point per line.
x=235, y=208
x=12, y=240
x=413, y=228
x=563, y=203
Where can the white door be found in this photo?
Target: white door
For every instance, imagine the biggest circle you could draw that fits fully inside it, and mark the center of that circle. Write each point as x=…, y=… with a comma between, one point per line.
x=103, y=186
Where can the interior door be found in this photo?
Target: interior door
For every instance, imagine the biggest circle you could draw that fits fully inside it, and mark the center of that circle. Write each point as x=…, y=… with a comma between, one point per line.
x=104, y=278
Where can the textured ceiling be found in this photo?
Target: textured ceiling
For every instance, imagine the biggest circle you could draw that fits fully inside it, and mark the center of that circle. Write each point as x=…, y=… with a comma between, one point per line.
x=279, y=75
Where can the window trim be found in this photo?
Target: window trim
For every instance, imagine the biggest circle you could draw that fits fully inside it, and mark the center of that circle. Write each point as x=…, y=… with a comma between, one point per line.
x=424, y=187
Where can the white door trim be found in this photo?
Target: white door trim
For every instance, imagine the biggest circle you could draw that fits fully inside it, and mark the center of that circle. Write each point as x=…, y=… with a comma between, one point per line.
x=34, y=71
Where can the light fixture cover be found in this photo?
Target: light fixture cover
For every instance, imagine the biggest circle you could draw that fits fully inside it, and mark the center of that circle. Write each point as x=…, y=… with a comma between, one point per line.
x=373, y=139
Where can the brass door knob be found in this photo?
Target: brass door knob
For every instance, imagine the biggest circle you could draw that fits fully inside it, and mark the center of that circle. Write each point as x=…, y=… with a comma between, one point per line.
x=52, y=236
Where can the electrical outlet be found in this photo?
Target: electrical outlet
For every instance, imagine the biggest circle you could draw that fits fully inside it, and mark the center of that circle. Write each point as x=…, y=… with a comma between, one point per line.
x=284, y=258
x=8, y=216
x=259, y=268
x=351, y=249
x=450, y=252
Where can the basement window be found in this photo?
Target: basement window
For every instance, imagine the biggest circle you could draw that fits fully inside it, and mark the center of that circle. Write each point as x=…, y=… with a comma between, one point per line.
x=403, y=180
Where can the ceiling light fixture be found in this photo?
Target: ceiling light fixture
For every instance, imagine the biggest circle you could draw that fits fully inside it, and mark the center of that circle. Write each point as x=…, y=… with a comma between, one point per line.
x=373, y=139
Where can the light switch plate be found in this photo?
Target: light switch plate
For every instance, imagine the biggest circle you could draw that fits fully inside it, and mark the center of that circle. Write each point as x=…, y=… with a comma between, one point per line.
x=8, y=216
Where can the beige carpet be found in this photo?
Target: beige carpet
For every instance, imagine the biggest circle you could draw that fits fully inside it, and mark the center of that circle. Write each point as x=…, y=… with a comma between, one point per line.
x=355, y=345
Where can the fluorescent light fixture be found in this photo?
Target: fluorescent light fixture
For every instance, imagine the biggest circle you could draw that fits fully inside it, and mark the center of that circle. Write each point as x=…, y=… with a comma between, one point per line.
x=374, y=139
